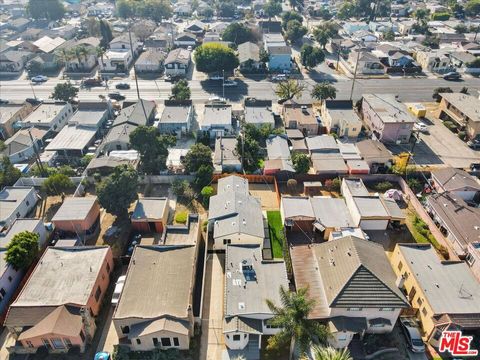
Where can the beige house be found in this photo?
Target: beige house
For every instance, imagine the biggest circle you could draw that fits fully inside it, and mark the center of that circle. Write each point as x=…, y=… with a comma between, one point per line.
x=339, y=117
x=9, y=115
x=155, y=307
x=463, y=110
x=445, y=294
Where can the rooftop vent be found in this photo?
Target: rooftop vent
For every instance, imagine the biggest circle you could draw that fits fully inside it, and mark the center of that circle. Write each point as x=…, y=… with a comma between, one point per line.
x=241, y=306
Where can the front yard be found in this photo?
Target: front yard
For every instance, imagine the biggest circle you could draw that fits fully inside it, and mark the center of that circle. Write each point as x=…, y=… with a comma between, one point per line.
x=275, y=228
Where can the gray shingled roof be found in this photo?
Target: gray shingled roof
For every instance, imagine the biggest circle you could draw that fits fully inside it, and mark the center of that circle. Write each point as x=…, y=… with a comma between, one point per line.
x=451, y=179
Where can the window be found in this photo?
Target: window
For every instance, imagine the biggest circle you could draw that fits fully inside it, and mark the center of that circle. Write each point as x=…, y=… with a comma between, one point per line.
x=176, y=342
x=470, y=259
x=419, y=302
x=28, y=203
x=387, y=309
x=58, y=343
x=17, y=214
x=228, y=336
x=10, y=279
x=424, y=312
x=3, y=292
x=236, y=337
x=54, y=127
x=155, y=341
x=108, y=267
x=82, y=336
x=354, y=309
x=166, y=342
x=46, y=343
x=227, y=241
x=405, y=275
x=377, y=326
x=29, y=344
x=138, y=341
x=245, y=336
x=125, y=329
x=400, y=266
x=67, y=342
x=97, y=294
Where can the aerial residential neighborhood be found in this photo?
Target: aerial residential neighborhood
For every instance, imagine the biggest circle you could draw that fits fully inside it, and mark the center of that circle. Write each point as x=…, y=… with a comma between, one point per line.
x=239, y=179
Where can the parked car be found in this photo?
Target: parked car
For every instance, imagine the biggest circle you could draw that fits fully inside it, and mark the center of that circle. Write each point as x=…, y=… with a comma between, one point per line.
x=92, y=82
x=122, y=86
x=230, y=83
x=279, y=77
x=102, y=356
x=3, y=101
x=34, y=101
x=172, y=78
x=453, y=75
x=474, y=144
x=412, y=334
x=475, y=166
x=421, y=127
x=39, y=79
x=215, y=77
x=118, y=290
x=116, y=96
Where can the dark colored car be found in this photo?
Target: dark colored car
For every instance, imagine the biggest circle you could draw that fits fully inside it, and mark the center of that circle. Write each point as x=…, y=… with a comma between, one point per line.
x=122, y=86
x=452, y=76
x=3, y=101
x=116, y=96
x=474, y=144
x=92, y=82
x=34, y=101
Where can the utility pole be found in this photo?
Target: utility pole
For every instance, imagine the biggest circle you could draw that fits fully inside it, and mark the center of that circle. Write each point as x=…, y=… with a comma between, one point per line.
x=338, y=54
x=135, y=71
x=37, y=156
x=223, y=85
x=33, y=91
x=354, y=75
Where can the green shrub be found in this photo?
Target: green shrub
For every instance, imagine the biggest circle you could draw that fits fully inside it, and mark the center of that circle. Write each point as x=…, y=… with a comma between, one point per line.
x=181, y=217
x=462, y=135
x=441, y=16
x=383, y=186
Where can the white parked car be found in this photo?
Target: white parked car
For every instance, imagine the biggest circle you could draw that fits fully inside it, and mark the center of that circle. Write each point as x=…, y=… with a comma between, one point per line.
x=230, y=83
x=420, y=126
x=39, y=78
x=118, y=290
x=215, y=77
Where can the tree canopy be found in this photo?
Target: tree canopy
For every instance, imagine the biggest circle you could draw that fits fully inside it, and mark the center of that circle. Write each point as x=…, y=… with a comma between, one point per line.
x=324, y=91
x=152, y=147
x=325, y=32
x=181, y=91
x=117, y=192
x=226, y=9
x=311, y=56
x=237, y=33
x=301, y=162
x=22, y=250
x=46, y=9
x=272, y=8
x=64, y=91
x=287, y=90
x=295, y=30
x=330, y=353
x=472, y=7
x=249, y=149
x=290, y=15
x=9, y=174
x=197, y=156
x=156, y=10
x=439, y=90
x=57, y=184
x=214, y=57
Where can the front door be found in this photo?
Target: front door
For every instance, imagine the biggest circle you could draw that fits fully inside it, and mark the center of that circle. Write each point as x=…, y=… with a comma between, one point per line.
x=155, y=342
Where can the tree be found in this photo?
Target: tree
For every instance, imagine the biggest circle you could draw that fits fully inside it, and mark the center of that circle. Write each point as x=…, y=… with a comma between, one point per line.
x=290, y=15
x=264, y=56
x=310, y=56
x=292, y=317
x=441, y=16
x=295, y=31
x=125, y=8
x=214, y=57
x=226, y=9
x=45, y=9
x=292, y=185
x=346, y=11
x=287, y=90
x=472, y=7
x=34, y=68
x=330, y=353
x=324, y=32
x=389, y=35
x=461, y=29
x=464, y=90
x=251, y=153
x=421, y=14
x=156, y=10
x=181, y=91
x=22, y=250
x=117, y=192
x=197, y=156
x=203, y=177
x=57, y=184
x=179, y=187
x=324, y=91
x=437, y=91
x=207, y=193
x=237, y=33
x=92, y=26
x=9, y=174
x=106, y=33
x=301, y=162
x=2, y=145
x=431, y=41
x=206, y=12
x=272, y=8
x=64, y=91
x=152, y=147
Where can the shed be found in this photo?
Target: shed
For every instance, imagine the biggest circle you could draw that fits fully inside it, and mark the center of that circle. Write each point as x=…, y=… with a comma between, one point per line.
x=78, y=215
x=150, y=214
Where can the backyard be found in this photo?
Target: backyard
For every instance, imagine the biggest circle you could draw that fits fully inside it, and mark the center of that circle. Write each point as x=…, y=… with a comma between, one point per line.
x=275, y=227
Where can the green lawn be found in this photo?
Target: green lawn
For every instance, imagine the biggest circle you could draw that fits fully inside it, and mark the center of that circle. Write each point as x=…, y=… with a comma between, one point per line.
x=276, y=233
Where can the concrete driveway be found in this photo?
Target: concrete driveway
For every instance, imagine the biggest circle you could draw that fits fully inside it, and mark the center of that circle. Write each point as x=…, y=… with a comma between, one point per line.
x=212, y=344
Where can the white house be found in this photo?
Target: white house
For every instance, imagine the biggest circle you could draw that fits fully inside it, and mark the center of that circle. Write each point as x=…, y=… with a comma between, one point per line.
x=185, y=40
x=122, y=42
x=456, y=181
x=21, y=146
x=217, y=120
x=16, y=202
x=177, y=62
x=49, y=116
x=116, y=60
x=249, y=281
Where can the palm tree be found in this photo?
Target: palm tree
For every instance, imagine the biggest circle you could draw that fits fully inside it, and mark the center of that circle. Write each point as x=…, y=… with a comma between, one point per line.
x=296, y=327
x=324, y=91
x=287, y=90
x=100, y=51
x=329, y=353
x=62, y=56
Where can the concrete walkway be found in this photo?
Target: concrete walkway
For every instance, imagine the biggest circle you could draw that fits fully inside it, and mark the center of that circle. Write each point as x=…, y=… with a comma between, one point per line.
x=109, y=336
x=212, y=344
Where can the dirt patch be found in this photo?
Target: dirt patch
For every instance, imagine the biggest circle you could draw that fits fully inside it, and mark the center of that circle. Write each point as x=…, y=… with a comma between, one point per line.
x=267, y=195
x=48, y=207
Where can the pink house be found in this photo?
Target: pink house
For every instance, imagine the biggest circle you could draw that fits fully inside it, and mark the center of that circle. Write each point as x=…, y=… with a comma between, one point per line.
x=56, y=309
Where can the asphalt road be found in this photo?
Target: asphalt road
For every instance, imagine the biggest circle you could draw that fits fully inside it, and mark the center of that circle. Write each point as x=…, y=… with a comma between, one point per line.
x=408, y=89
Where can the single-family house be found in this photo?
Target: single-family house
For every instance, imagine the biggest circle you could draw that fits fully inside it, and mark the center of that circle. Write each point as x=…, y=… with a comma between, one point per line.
x=56, y=308
x=150, y=61
x=122, y=42
x=91, y=115
x=16, y=202
x=182, y=9
x=163, y=316
x=184, y=40
x=457, y=182
x=19, y=24
x=365, y=38
x=339, y=117
x=461, y=61
x=325, y=155
x=116, y=60
x=176, y=118
x=177, y=62
x=249, y=281
x=472, y=258
x=278, y=153
x=279, y=57
x=51, y=117
x=81, y=64
x=462, y=109
x=365, y=62
x=353, y=285
x=300, y=116
x=434, y=60
x=78, y=217
x=197, y=27
x=10, y=114
x=13, y=61
x=216, y=120
x=48, y=45
x=445, y=294
x=258, y=112
x=249, y=56
x=235, y=217
x=388, y=119
x=106, y=164
x=375, y=153
x=21, y=147
x=151, y=214
x=72, y=141
x=225, y=158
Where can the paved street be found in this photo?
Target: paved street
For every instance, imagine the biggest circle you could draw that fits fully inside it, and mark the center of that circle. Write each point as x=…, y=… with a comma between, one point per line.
x=408, y=89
